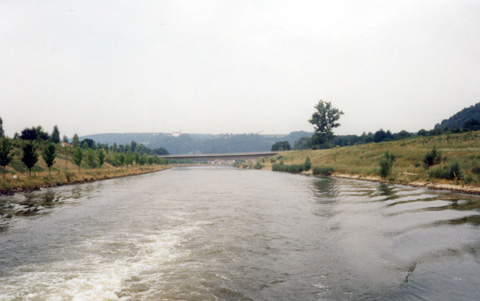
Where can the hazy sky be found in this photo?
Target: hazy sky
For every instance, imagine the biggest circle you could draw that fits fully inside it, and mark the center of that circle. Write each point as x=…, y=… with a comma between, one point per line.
x=235, y=66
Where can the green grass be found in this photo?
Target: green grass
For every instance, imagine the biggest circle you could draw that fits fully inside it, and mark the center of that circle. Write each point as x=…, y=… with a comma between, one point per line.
x=64, y=171
x=408, y=167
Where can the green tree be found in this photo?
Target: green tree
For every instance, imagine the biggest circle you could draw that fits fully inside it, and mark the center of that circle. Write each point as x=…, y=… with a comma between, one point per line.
x=114, y=147
x=386, y=164
x=142, y=160
x=49, y=154
x=1, y=128
x=121, y=158
x=55, y=135
x=324, y=121
x=5, y=155
x=78, y=157
x=65, y=139
x=75, y=141
x=128, y=159
x=160, y=151
x=88, y=143
x=301, y=143
x=29, y=134
x=280, y=146
x=41, y=134
x=133, y=146
x=30, y=156
x=100, y=157
x=91, y=158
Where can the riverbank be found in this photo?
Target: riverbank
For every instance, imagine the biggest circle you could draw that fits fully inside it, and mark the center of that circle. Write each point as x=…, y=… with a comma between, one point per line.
x=11, y=184
x=362, y=161
x=433, y=186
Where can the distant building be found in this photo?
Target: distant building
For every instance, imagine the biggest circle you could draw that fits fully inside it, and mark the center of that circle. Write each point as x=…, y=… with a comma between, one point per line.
x=66, y=144
x=176, y=133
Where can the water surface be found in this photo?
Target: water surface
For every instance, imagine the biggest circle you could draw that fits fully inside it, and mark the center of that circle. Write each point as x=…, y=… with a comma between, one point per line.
x=209, y=233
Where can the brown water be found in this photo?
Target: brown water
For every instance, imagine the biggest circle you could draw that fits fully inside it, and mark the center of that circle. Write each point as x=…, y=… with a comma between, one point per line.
x=229, y=234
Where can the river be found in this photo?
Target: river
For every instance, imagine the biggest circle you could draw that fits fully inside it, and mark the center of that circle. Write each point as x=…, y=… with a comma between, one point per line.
x=220, y=233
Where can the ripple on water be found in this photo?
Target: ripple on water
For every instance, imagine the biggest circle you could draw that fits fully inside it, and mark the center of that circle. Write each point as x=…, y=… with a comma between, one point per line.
x=221, y=233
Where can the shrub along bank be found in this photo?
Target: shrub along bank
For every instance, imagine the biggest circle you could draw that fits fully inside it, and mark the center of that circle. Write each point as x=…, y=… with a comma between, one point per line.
x=445, y=159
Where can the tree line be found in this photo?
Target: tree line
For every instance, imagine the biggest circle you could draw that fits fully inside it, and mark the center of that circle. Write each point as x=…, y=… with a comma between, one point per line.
x=325, y=118
x=35, y=142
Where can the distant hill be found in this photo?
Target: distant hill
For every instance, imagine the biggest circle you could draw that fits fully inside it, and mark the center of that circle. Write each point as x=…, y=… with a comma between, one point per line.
x=460, y=118
x=200, y=143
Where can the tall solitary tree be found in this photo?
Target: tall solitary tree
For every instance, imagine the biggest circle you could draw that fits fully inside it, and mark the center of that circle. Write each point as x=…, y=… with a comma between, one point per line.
x=55, y=135
x=5, y=155
x=49, y=156
x=30, y=156
x=324, y=120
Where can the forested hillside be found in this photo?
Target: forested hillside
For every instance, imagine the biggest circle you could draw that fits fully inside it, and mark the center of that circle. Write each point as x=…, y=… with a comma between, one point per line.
x=200, y=143
x=468, y=117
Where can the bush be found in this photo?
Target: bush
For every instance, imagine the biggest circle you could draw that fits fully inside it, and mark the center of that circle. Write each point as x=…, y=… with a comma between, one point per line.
x=308, y=164
x=452, y=172
x=468, y=179
x=325, y=171
x=432, y=158
x=258, y=166
x=295, y=168
x=277, y=167
x=476, y=170
x=437, y=173
x=386, y=164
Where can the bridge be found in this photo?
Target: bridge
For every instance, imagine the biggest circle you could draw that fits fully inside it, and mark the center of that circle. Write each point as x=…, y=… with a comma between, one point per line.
x=225, y=157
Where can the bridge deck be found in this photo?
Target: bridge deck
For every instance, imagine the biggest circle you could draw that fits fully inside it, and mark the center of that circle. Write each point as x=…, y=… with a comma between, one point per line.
x=233, y=156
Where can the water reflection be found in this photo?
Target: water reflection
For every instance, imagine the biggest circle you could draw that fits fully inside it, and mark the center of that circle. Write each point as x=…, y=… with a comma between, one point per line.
x=387, y=190
x=40, y=202
x=473, y=220
x=406, y=229
x=325, y=189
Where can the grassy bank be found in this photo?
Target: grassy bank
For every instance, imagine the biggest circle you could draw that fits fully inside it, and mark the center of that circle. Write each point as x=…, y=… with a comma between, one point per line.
x=15, y=177
x=362, y=161
x=23, y=182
